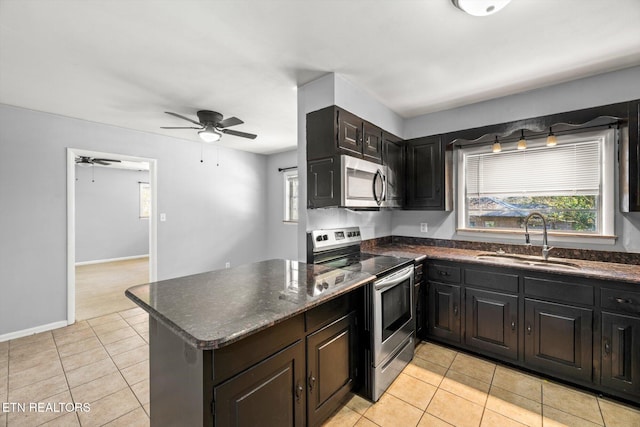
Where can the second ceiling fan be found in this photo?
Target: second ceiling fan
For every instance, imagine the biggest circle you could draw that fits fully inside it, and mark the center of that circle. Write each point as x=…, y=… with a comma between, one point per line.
x=211, y=125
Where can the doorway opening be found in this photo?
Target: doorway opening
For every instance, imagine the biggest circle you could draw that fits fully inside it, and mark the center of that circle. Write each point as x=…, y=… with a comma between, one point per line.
x=111, y=230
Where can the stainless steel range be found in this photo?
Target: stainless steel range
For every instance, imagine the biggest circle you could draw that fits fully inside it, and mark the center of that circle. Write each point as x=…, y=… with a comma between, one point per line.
x=389, y=318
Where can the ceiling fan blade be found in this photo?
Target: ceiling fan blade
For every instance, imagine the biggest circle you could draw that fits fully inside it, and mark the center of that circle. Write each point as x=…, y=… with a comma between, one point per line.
x=231, y=121
x=238, y=133
x=107, y=160
x=183, y=117
x=173, y=127
x=99, y=162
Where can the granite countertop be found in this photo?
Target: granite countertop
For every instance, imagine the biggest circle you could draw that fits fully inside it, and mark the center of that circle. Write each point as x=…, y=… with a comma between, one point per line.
x=629, y=273
x=214, y=309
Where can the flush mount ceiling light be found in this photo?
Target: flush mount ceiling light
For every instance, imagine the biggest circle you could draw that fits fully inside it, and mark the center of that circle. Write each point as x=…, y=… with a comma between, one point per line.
x=209, y=134
x=496, y=147
x=480, y=7
x=552, y=141
x=522, y=144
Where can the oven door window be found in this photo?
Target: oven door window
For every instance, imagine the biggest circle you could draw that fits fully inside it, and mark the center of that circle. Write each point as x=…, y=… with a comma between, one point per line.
x=396, y=308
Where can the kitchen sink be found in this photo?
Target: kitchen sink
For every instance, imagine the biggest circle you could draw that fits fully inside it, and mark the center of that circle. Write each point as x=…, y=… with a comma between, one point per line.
x=525, y=260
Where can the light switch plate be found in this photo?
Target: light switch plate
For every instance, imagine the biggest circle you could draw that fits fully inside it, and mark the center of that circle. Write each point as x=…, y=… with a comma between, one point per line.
x=163, y=217
x=424, y=227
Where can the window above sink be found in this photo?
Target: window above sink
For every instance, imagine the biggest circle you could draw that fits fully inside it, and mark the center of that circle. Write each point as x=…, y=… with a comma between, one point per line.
x=571, y=184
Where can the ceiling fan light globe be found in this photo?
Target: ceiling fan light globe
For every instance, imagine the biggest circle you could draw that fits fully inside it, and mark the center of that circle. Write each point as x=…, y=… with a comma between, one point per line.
x=84, y=164
x=210, y=135
x=480, y=7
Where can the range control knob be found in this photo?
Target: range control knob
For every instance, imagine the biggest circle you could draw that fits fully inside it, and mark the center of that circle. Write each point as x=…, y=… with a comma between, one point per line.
x=325, y=237
x=319, y=238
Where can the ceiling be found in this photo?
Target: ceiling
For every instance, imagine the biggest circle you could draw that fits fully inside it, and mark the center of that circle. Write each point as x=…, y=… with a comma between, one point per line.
x=126, y=62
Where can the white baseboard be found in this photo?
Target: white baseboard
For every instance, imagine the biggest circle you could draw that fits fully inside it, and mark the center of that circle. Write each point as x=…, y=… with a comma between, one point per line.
x=31, y=331
x=100, y=261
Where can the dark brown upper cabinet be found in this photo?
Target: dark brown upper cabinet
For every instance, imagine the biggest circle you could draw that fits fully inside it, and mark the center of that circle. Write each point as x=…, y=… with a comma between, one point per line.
x=634, y=156
x=394, y=158
x=428, y=170
x=333, y=131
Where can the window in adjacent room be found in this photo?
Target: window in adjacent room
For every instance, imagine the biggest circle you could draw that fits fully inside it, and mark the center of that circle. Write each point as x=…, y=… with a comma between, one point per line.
x=571, y=184
x=145, y=199
x=291, y=196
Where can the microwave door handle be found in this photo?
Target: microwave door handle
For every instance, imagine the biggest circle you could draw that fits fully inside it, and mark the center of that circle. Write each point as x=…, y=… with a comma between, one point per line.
x=375, y=194
x=377, y=175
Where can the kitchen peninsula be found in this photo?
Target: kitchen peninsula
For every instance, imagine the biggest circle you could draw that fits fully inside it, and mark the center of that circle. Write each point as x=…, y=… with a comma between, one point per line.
x=232, y=346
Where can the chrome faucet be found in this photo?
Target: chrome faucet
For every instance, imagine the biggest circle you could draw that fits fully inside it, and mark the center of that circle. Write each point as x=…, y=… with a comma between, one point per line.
x=545, y=247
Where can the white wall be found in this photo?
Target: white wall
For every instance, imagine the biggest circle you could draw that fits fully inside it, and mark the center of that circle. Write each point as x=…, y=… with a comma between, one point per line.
x=214, y=213
x=281, y=237
x=603, y=89
x=333, y=89
x=108, y=223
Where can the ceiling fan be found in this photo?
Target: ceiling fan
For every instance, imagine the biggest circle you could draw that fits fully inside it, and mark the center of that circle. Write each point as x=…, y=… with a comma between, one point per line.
x=86, y=161
x=212, y=125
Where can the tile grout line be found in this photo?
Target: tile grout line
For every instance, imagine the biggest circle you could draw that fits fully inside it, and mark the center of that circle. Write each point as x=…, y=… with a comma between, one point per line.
x=484, y=407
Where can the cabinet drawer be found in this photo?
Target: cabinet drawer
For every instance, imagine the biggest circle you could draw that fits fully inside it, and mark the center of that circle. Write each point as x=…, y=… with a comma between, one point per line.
x=621, y=300
x=327, y=312
x=491, y=279
x=444, y=273
x=572, y=293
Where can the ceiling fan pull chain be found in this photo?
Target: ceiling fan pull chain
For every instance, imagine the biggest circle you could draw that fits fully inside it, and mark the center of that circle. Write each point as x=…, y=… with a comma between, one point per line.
x=93, y=173
x=201, y=152
x=218, y=156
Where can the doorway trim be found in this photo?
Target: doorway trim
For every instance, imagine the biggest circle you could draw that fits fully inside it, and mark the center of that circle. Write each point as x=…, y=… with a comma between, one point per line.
x=71, y=219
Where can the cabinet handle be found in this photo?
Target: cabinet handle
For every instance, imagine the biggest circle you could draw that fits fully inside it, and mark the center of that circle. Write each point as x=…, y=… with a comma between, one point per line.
x=443, y=273
x=529, y=329
x=455, y=310
x=513, y=325
x=607, y=347
x=623, y=301
x=299, y=390
x=312, y=381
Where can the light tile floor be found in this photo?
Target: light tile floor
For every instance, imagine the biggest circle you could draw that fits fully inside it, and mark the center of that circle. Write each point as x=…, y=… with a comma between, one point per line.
x=443, y=387
x=104, y=362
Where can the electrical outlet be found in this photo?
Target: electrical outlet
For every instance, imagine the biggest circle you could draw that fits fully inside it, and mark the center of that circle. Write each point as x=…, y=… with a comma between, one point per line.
x=227, y=264
x=424, y=227
x=163, y=217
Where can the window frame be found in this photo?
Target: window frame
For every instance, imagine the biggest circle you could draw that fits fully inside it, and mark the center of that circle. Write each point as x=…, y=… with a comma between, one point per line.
x=287, y=175
x=607, y=209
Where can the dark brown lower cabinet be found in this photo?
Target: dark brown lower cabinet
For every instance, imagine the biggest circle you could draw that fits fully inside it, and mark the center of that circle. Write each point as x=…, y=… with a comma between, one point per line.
x=444, y=311
x=492, y=322
x=621, y=353
x=330, y=367
x=558, y=339
x=270, y=393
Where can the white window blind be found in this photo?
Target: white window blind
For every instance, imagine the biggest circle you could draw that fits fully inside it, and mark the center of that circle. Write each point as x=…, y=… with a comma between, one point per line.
x=570, y=169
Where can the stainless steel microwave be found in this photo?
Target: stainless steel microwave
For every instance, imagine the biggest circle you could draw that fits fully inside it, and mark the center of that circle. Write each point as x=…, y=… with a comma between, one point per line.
x=363, y=183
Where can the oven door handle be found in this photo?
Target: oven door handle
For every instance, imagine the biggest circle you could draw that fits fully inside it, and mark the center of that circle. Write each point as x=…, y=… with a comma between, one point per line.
x=393, y=280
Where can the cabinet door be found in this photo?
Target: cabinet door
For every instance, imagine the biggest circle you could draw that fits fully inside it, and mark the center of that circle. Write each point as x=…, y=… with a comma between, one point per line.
x=270, y=393
x=349, y=133
x=444, y=311
x=330, y=368
x=323, y=180
x=492, y=322
x=621, y=353
x=420, y=308
x=424, y=174
x=393, y=158
x=558, y=339
x=371, y=143
x=634, y=155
